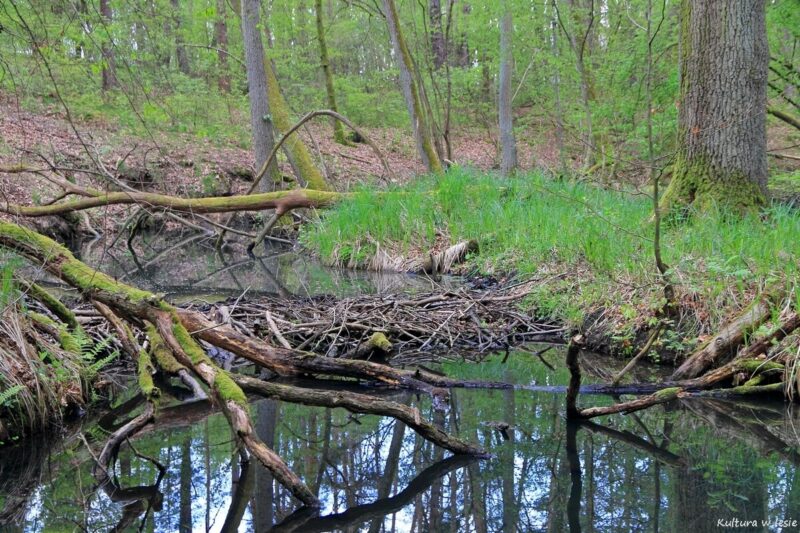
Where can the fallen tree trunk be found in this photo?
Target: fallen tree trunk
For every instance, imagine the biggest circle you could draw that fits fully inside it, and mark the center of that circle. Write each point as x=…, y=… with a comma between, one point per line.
x=726, y=341
x=284, y=200
x=143, y=308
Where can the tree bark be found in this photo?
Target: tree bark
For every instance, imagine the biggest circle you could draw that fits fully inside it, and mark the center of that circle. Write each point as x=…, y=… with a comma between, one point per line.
x=296, y=149
x=181, y=55
x=109, y=65
x=260, y=117
x=722, y=125
x=327, y=71
x=508, y=144
x=410, y=85
x=438, y=41
x=221, y=43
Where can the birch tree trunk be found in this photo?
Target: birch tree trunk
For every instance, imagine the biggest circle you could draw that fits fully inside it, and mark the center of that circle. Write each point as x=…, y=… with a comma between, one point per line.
x=508, y=145
x=409, y=83
x=260, y=118
x=722, y=159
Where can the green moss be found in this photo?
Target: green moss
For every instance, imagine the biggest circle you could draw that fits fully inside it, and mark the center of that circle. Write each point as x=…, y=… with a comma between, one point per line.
x=698, y=184
x=189, y=345
x=145, y=372
x=379, y=340
x=228, y=390
x=68, y=341
x=280, y=117
x=42, y=319
x=667, y=394
x=751, y=366
x=159, y=351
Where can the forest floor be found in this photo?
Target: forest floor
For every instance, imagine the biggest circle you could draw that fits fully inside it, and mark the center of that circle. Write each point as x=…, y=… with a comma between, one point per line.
x=588, y=246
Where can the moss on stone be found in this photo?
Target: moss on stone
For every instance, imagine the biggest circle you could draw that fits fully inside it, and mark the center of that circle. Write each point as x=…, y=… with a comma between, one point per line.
x=751, y=366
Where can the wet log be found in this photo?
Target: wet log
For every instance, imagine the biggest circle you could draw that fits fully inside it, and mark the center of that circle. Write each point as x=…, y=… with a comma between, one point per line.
x=727, y=341
x=360, y=403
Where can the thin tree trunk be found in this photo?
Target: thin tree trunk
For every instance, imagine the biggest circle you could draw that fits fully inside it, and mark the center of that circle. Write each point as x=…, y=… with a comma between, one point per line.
x=508, y=144
x=438, y=42
x=410, y=86
x=221, y=42
x=338, y=129
x=260, y=118
x=181, y=54
x=109, y=65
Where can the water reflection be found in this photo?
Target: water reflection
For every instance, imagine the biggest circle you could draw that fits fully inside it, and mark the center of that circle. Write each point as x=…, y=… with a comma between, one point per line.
x=676, y=468
x=190, y=266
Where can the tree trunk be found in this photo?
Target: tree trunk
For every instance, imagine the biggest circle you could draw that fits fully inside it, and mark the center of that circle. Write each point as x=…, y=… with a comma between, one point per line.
x=508, y=145
x=260, y=118
x=109, y=69
x=409, y=83
x=338, y=129
x=722, y=124
x=295, y=148
x=180, y=50
x=221, y=42
x=438, y=41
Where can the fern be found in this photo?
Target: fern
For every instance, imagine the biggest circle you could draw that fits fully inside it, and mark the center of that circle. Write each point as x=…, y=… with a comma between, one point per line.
x=7, y=395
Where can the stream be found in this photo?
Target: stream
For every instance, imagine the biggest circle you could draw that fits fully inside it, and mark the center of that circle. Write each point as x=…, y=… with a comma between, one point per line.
x=689, y=466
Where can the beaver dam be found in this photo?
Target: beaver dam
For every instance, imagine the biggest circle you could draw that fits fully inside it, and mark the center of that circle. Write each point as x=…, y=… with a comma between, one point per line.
x=369, y=402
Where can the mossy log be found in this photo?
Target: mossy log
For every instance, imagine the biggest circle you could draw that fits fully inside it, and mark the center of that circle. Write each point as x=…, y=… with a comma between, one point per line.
x=284, y=200
x=727, y=341
x=173, y=328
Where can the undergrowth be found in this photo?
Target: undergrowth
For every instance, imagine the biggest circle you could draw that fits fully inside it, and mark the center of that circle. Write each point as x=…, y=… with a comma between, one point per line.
x=591, y=247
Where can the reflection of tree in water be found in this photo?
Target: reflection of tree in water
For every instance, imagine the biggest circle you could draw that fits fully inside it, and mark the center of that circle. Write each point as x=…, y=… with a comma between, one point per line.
x=372, y=474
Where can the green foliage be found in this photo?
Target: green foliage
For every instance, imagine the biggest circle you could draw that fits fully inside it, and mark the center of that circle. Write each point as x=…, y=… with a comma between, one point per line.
x=530, y=224
x=7, y=396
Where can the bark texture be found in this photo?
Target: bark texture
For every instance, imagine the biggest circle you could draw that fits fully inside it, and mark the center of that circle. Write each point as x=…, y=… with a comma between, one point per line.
x=508, y=144
x=324, y=59
x=260, y=119
x=722, y=156
x=109, y=75
x=422, y=130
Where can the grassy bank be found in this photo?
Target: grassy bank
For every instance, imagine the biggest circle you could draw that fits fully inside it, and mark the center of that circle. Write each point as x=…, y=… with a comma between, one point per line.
x=590, y=248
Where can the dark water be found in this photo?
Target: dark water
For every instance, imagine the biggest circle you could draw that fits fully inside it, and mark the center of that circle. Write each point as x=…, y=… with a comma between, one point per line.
x=678, y=468
x=191, y=268
x=691, y=466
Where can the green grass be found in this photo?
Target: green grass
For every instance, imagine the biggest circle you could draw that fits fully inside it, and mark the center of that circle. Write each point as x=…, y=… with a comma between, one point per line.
x=601, y=239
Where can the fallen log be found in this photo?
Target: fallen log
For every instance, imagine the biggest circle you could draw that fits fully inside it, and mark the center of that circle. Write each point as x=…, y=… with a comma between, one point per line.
x=360, y=403
x=725, y=343
x=143, y=308
x=284, y=200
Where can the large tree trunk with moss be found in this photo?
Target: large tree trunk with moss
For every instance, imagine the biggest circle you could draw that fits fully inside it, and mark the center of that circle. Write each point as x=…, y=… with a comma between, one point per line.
x=260, y=118
x=409, y=83
x=508, y=144
x=297, y=150
x=338, y=129
x=722, y=156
